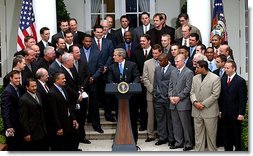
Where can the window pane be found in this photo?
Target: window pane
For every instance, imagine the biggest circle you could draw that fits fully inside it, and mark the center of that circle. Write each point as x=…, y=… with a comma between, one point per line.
x=95, y=20
x=109, y=5
x=144, y=5
x=96, y=6
x=133, y=20
x=131, y=5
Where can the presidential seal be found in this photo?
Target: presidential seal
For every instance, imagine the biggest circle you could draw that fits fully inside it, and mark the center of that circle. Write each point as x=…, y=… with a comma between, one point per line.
x=123, y=87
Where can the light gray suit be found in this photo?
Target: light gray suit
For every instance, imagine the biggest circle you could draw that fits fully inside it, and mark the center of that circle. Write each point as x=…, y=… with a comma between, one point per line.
x=139, y=31
x=162, y=105
x=178, y=32
x=180, y=86
x=148, y=79
x=205, y=120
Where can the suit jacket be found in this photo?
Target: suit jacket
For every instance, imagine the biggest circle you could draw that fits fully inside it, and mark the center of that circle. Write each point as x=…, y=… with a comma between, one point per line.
x=181, y=86
x=119, y=38
x=233, y=98
x=59, y=110
x=156, y=35
x=83, y=74
x=9, y=108
x=42, y=47
x=110, y=36
x=217, y=72
x=32, y=117
x=148, y=77
x=134, y=46
x=130, y=73
x=161, y=84
x=106, y=52
x=140, y=59
x=78, y=37
x=41, y=63
x=207, y=92
x=178, y=32
x=139, y=31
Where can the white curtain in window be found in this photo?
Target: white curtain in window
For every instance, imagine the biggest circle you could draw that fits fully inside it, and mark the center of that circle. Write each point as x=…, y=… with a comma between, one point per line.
x=95, y=8
x=144, y=5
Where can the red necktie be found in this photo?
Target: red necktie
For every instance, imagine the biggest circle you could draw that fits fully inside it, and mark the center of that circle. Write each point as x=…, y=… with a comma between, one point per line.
x=229, y=81
x=99, y=44
x=129, y=51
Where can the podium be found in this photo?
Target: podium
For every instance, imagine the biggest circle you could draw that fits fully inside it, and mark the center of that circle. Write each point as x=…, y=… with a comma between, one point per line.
x=124, y=140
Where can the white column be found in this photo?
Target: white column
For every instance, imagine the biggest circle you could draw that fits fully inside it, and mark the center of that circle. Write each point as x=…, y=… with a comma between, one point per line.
x=200, y=16
x=45, y=16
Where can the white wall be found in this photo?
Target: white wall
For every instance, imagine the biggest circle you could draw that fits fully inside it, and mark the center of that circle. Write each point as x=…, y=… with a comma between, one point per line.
x=76, y=10
x=171, y=8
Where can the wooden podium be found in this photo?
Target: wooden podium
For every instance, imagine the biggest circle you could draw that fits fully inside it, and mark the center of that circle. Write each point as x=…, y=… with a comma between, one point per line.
x=124, y=140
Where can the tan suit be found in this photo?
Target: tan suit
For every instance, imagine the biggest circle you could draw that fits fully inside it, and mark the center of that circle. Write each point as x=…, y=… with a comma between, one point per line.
x=148, y=79
x=205, y=120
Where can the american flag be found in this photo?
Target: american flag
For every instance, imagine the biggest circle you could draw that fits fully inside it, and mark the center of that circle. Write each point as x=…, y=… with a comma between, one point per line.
x=219, y=21
x=26, y=24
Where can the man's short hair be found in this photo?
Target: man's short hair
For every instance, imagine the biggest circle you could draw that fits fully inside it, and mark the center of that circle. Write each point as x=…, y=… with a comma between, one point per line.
x=17, y=59
x=203, y=63
x=43, y=29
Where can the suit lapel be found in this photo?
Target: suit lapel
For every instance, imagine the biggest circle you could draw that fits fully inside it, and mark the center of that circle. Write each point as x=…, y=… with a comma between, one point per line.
x=205, y=79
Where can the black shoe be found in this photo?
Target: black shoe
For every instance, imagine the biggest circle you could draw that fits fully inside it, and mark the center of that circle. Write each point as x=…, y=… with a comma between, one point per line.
x=187, y=148
x=79, y=150
x=110, y=119
x=160, y=142
x=149, y=139
x=142, y=128
x=85, y=141
x=175, y=147
x=138, y=148
x=99, y=130
x=171, y=144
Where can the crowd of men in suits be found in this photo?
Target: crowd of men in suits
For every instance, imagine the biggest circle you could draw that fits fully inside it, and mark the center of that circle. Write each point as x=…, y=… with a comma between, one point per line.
x=191, y=95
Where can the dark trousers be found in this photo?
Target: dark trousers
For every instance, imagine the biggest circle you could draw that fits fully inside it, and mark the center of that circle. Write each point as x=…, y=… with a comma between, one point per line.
x=232, y=130
x=142, y=106
x=81, y=117
x=37, y=145
x=94, y=110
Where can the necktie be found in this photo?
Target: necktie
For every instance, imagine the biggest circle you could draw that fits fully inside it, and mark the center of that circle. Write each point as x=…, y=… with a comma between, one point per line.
x=47, y=89
x=217, y=52
x=145, y=29
x=36, y=98
x=121, y=69
x=229, y=81
x=99, y=44
x=17, y=92
x=146, y=53
x=129, y=51
x=185, y=42
x=163, y=69
x=63, y=94
x=76, y=65
x=178, y=73
x=221, y=73
x=211, y=66
x=47, y=44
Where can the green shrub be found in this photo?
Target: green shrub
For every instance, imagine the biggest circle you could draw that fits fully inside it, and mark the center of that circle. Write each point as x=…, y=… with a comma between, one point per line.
x=245, y=132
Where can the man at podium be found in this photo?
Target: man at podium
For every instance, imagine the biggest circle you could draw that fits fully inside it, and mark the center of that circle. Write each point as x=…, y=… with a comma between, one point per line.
x=124, y=70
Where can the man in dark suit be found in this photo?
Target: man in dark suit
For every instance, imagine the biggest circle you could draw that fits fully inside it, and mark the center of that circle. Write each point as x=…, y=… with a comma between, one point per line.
x=184, y=40
x=111, y=23
x=123, y=70
x=90, y=57
x=9, y=111
x=63, y=124
x=129, y=45
x=55, y=66
x=64, y=26
x=30, y=68
x=159, y=30
x=106, y=34
x=119, y=33
x=220, y=62
x=141, y=55
x=233, y=99
x=32, y=119
x=29, y=41
x=142, y=29
x=188, y=60
x=105, y=47
x=161, y=103
x=78, y=35
x=45, y=35
x=180, y=104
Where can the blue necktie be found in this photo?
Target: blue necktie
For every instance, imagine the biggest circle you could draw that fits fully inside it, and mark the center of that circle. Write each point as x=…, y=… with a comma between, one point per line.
x=121, y=70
